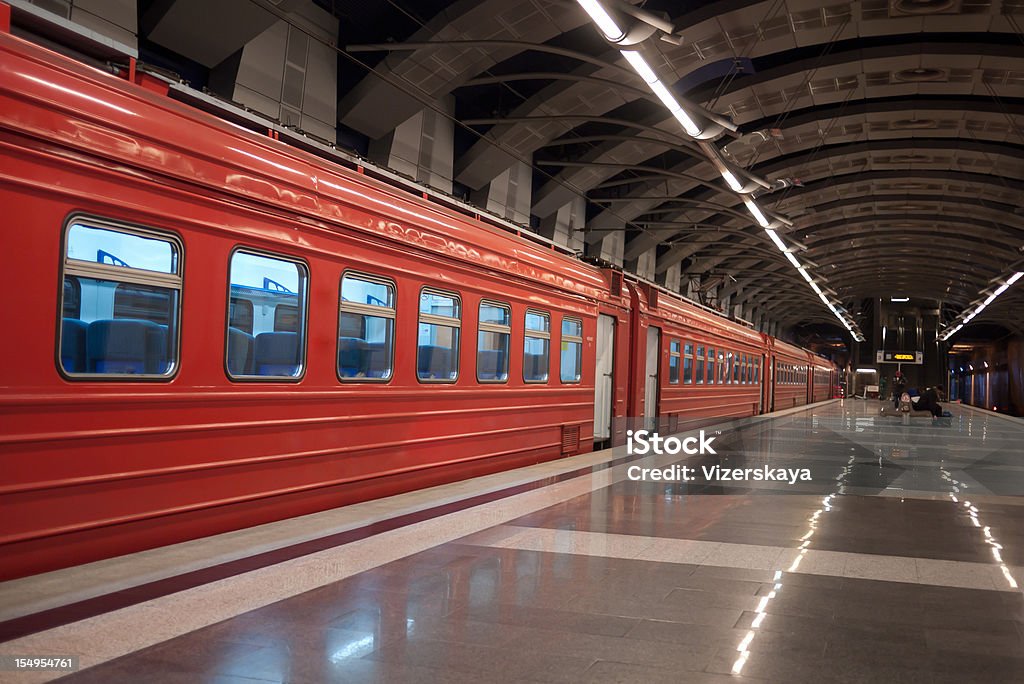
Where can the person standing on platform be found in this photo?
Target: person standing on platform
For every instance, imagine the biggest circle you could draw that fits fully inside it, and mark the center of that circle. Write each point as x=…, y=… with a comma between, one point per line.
x=899, y=386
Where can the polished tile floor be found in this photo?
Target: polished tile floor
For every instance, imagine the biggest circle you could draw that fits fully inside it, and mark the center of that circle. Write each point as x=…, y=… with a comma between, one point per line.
x=900, y=561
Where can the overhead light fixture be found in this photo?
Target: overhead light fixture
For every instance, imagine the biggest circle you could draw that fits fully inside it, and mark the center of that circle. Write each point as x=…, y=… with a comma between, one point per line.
x=604, y=21
x=968, y=314
x=899, y=299
x=866, y=370
x=756, y=212
x=632, y=34
x=776, y=239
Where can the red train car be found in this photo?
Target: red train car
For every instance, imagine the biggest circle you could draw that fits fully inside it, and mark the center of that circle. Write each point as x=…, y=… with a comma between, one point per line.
x=699, y=366
x=217, y=335
x=216, y=338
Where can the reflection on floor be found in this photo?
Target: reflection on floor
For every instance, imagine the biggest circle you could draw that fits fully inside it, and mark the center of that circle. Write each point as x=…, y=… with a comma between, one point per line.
x=899, y=561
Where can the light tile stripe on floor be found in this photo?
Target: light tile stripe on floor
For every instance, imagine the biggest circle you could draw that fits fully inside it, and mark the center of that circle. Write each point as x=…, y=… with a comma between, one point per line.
x=751, y=557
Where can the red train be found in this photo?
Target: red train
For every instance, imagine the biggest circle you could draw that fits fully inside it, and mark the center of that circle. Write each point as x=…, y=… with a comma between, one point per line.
x=209, y=329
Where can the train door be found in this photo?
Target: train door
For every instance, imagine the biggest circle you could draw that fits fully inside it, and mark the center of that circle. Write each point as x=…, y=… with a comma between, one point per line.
x=761, y=371
x=651, y=387
x=604, y=386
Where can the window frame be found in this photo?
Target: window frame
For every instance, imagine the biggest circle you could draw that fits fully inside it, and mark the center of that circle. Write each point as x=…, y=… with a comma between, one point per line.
x=437, y=319
x=571, y=339
x=368, y=310
x=303, y=317
x=699, y=364
x=675, y=349
x=537, y=334
x=494, y=328
x=711, y=365
x=77, y=269
x=687, y=356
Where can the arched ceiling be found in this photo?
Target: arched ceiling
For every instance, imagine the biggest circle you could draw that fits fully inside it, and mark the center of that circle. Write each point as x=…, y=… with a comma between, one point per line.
x=901, y=120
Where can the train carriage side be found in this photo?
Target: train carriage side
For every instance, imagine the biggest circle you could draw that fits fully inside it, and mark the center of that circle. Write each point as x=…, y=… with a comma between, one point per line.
x=221, y=335
x=697, y=367
x=790, y=372
x=823, y=379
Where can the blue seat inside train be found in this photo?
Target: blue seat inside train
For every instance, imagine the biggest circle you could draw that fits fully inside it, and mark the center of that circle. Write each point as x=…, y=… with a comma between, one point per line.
x=491, y=364
x=277, y=353
x=72, y=345
x=351, y=357
x=434, y=363
x=241, y=352
x=126, y=346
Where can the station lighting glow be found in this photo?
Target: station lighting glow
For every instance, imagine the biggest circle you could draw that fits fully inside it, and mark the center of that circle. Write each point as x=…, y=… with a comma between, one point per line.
x=614, y=33
x=758, y=215
x=899, y=299
x=964, y=318
x=866, y=370
x=603, y=20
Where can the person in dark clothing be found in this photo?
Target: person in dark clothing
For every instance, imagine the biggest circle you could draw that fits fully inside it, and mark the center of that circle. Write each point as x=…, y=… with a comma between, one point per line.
x=929, y=401
x=899, y=386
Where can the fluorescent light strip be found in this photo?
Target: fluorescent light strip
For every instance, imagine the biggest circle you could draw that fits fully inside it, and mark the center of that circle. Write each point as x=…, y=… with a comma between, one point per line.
x=758, y=215
x=964, y=318
x=641, y=66
x=603, y=20
x=614, y=33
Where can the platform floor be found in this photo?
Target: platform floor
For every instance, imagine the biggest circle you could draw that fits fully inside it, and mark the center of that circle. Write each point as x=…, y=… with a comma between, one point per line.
x=899, y=562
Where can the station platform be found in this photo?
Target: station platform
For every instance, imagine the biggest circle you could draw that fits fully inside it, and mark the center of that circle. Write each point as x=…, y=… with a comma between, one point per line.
x=899, y=560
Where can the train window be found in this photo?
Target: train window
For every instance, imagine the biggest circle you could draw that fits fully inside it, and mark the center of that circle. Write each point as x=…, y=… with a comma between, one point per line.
x=737, y=362
x=495, y=331
x=120, y=301
x=536, y=347
x=275, y=289
x=757, y=371
x=240, y=314
x=722, y=374
x=571, y=367
x=673, y=362
x=366, y=328
x=743, y=369
x=687, y=363
x=698, y=365
x=437, y=350
x=711, y=365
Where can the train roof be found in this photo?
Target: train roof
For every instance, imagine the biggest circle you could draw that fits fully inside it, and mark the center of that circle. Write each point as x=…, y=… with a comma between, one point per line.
x=107, y=116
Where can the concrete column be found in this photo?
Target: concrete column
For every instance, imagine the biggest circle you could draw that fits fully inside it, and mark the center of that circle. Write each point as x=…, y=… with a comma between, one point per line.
x=643, y=265
x=509, y=194
x=421, y=147
x=610, y=247
x=565, y=226
x=670, y=278
x=287, y=75
x=114, y=19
